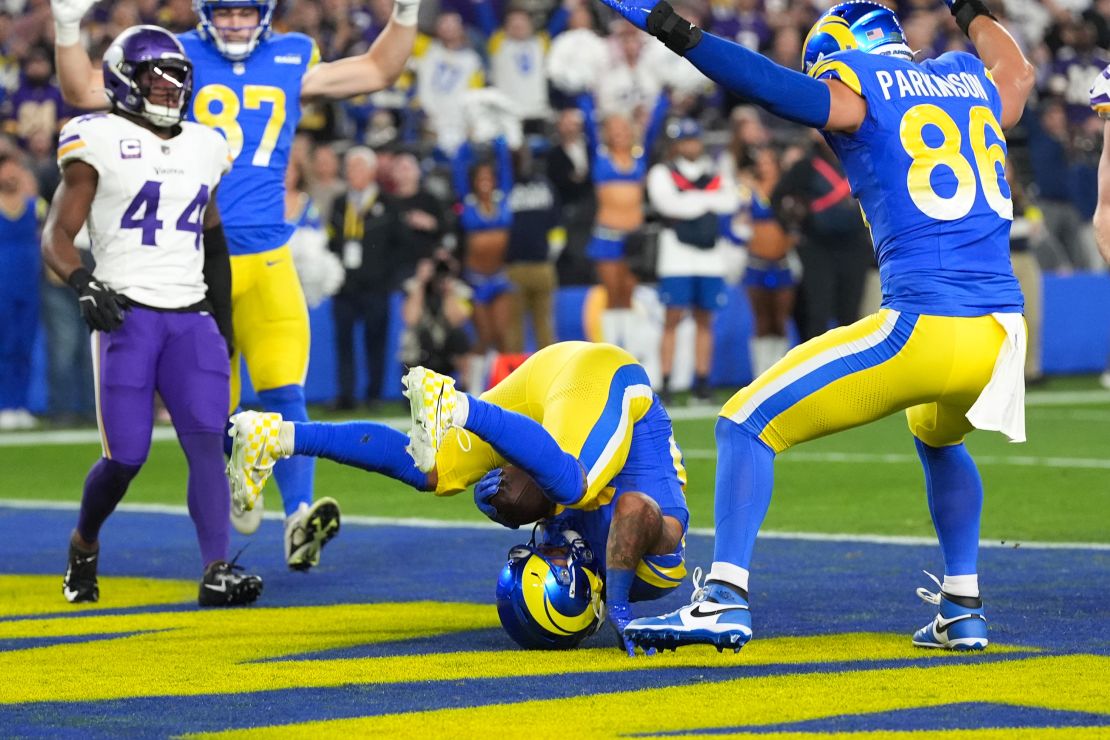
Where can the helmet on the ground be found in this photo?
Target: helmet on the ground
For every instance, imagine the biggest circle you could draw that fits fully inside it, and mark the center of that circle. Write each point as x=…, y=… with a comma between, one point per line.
x=235, y=50
x=137, y=60
x=549, y=595
x=859, y=24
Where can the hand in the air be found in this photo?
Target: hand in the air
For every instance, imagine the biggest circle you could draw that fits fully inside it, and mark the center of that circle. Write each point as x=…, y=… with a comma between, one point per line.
x=1100, y=95
x=70, y=12
x=484, y=490
x=634, y=11
x=101, y=307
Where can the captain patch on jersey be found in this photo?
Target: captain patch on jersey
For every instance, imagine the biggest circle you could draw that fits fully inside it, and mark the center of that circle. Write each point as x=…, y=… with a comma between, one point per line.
x=147, y=217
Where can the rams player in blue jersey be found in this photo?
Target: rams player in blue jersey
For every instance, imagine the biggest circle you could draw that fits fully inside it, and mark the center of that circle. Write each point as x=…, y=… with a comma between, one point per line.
x=580, y=418
x=249, y=84
x=923, y=148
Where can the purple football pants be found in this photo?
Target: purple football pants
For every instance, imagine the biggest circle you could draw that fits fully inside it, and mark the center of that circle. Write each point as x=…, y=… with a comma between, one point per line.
x=183, y=357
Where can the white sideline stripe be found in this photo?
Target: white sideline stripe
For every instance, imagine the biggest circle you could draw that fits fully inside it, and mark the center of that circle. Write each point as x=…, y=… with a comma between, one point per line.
x=420, y=523
x=679, y=413
x=1028, y=461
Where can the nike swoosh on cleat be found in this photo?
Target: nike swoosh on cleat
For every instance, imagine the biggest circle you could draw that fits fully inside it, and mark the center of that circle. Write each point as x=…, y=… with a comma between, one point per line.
x=70, y=595
x=222, y=588
x=698, y=612
x=942, y=625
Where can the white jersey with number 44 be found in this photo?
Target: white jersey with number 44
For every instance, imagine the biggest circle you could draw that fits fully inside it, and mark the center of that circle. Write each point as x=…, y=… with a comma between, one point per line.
x=147, y=217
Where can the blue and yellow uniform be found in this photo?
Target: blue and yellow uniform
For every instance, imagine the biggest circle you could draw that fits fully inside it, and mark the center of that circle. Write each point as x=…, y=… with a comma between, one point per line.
x=928, y=168
x=255, y=104
x=596, y=401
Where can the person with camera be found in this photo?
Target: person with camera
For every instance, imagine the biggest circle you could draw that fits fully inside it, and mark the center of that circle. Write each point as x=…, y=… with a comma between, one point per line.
x=437, y=305
x=692, y=195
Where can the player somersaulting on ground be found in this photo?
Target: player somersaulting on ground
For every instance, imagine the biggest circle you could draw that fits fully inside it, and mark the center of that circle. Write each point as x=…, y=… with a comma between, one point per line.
x=923, y=148
x=580, y=418
x=250, y=83
x=160, y=297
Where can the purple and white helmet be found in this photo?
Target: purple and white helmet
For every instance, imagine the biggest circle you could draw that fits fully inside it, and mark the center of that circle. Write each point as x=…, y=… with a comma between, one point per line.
x=137, y=58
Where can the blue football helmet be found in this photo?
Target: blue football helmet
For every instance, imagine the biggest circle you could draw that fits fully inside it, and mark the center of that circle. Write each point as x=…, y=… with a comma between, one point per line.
x=235, y=50
x=859, y=24
x=549, y=595
x=131, y=65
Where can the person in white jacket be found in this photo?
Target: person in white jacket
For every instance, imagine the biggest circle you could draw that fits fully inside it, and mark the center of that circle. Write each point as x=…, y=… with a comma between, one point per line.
x=693, y=195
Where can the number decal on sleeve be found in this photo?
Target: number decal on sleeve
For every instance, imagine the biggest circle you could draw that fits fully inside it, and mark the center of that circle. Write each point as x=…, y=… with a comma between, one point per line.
x=146, y=201
x=225, y=117
x=989, y=165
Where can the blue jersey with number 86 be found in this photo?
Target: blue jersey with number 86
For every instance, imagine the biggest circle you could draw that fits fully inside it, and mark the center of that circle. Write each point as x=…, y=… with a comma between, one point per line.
x=928, y=167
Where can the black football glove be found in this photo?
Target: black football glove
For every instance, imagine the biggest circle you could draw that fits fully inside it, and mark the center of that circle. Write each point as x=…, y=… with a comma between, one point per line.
x=101, y=307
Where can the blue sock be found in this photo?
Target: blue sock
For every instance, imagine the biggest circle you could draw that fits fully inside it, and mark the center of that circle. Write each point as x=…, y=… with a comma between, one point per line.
x=618, y=585
x=745, y=476
x=361, y=444
x=526, y=444
x=294, y=475
x=955, y=493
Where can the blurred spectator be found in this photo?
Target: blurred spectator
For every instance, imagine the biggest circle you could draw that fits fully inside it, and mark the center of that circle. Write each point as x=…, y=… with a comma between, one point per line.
x=434, y=313
x=535, y=226
x=517, y=68
x=568, y=167
x=1070, y=243
x=618, y=166
x=627, y=86
x=1027, y=229
x=324, y=182
x=21, y=214
x=35, y=107
x=815, y=199
x=421, y=220
x=359, y=233
x=692, y=196
x=483, y=188
x=768, y=278
x=742, y=21
x=43, y=164
x=1075, y=64
x=445, y=68
x=68, y=360
x=319, y=270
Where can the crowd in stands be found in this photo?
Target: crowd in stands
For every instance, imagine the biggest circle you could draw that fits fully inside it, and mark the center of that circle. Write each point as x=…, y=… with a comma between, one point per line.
x=533, y=144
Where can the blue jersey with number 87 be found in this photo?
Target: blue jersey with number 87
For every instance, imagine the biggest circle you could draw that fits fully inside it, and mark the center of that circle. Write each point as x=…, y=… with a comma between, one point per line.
x=928, y=167
x=256, y=105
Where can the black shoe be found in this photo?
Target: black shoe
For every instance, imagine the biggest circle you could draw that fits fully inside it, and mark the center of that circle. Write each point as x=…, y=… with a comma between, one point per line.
x=222, y=585
x=79, y=585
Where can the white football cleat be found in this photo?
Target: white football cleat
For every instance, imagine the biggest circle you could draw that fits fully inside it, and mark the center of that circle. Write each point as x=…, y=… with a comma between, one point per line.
x=247, y=521
x=307, y=530
x=254, y=450
x=432, y=401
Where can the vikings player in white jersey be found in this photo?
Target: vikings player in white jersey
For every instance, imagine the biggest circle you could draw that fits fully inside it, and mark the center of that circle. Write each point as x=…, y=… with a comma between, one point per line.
x=159, y=299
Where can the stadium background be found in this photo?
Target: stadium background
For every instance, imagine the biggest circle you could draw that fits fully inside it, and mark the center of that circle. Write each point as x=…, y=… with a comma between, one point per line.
x=395, y=633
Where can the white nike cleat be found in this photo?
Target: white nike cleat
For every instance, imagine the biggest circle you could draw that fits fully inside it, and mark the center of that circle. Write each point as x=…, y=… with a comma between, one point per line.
x=307, y=530
x=432, y=401
x=254, y=450
x=717, y=615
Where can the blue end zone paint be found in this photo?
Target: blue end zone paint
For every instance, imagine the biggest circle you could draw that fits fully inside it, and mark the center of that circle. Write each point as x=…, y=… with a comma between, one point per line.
x=163, y=716
x=1052, y=599
x=963, y=716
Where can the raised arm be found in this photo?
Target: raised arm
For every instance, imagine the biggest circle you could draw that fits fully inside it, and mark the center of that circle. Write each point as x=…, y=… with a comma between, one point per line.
x=460, y=170
x=1100, y=103
x=589, y=122
x=504, y=164
x=376, y=69
x=824, y=104
x=655, y=122
x=1011, y=71
x=82, y=84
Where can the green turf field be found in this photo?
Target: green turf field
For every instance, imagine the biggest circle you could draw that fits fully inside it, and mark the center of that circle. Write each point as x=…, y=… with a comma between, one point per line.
x=866, y=481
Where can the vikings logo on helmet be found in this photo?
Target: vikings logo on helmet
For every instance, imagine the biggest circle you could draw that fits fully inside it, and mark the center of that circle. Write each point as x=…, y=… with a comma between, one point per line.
x=549, y=596
x=1100, y=95
x=235, y=50
x=859, y=24
x=134, y=59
